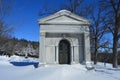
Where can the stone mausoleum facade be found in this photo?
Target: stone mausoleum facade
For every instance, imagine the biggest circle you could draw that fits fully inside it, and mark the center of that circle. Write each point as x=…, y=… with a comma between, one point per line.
x=64, y=39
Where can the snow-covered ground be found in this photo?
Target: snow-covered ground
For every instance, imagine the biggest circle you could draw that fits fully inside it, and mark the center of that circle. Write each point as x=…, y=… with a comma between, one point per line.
x=52, y=72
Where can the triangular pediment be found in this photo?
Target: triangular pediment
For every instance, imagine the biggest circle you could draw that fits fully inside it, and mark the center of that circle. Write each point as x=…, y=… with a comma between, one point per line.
x=64, y=17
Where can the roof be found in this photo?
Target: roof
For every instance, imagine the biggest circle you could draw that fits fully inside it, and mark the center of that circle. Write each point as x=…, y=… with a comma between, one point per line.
x=63, y=17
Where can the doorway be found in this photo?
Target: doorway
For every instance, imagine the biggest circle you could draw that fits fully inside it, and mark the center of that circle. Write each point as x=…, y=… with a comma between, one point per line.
x=64, y=52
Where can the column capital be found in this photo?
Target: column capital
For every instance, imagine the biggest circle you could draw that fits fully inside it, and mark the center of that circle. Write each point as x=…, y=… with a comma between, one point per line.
x=42, y=33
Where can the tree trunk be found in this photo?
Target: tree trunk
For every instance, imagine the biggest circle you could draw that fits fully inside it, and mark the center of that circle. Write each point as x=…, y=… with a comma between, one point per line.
x=95, y=53
x=95, y=57
x=115, y=53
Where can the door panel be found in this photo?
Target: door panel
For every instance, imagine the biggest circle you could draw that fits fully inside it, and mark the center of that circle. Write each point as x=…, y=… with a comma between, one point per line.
x=64, y=52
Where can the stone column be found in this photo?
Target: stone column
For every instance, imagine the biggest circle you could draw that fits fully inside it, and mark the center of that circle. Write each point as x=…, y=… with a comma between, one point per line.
x=72, y=55
x=86, y=48
x=42, y=55
x=57, y=55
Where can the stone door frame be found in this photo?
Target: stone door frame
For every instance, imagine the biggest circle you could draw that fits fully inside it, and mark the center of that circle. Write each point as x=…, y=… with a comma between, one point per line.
x=57, y=50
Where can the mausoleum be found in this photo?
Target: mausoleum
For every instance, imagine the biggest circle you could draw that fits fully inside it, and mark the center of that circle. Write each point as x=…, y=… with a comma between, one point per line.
x=64, y=39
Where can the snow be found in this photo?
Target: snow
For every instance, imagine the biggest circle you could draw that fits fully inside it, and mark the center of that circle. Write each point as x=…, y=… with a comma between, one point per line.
x=22, y=59
x=55, y=72
x=16, y=59
x=64, y=11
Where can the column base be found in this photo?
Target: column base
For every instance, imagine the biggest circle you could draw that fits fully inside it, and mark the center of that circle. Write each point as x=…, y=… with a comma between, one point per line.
x=89, y=65
x=42, y=64
x=73, y=63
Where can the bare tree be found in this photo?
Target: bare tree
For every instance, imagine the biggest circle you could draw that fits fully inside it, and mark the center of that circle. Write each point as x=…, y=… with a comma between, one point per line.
x=97, y=29
x=72, y=6
x=5, y=29
x=112, y=10
x=5, y=7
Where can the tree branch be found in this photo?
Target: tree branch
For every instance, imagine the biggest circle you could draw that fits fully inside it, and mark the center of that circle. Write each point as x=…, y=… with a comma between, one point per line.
x=113, y=5
x=118, y=7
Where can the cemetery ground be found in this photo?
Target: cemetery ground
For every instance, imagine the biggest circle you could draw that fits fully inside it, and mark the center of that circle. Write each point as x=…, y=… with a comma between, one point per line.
x=54, y=72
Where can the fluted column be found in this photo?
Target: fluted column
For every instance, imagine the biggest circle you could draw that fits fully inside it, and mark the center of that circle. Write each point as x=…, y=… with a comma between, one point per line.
x=86, y=47
x=42, y=55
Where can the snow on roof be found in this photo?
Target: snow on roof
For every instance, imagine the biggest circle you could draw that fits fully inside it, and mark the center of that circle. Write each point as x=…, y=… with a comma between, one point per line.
x=61, y=11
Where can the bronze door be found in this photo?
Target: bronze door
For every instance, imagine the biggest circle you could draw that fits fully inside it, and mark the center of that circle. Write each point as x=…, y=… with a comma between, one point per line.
x=64, y=52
